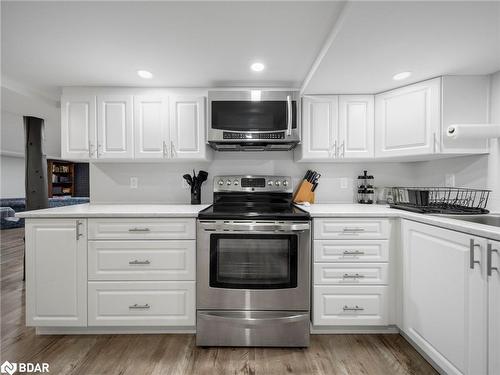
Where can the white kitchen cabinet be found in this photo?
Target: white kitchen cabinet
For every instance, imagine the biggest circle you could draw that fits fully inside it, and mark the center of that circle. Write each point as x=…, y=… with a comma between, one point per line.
x=319, y=128
x=356, y=126
x=56, y=272
x=187, y=128
x=114, y=127
x=151, y=127
x=493, y=264
x=407, y=120
x=445, y=296
x=78, y=127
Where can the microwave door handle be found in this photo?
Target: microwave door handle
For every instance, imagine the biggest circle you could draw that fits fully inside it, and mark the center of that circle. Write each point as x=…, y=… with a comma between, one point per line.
x=289, y=115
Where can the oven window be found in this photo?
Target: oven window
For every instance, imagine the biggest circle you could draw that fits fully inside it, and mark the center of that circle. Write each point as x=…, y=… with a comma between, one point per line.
x=252, y=116
x=253, y=261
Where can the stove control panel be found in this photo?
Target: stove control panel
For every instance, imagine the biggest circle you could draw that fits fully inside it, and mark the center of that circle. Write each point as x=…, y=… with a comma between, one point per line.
x=253, y=184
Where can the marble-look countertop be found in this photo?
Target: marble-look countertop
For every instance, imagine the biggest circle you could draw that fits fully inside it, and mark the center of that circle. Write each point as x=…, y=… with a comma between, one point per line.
x=116, y=210
x=372, y=210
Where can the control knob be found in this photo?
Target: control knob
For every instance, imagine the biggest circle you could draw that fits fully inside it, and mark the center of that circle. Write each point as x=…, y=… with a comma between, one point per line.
x=285, y=183
x=228, y=183
x=236, y=182
x=221, y=182
x=270, y=183
x=277, y=183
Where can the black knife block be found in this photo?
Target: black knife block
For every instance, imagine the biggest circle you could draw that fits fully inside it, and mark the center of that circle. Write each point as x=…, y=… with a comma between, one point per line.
x=196, y=194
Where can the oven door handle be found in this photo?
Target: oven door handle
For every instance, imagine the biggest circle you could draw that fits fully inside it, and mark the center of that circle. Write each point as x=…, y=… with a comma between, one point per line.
x=251, y=227
x=241, y=320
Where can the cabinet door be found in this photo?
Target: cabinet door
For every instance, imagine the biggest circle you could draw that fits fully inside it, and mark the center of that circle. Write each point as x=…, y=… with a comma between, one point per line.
x=494, y=309
x=407, y=120
x=319, y=127
x=56, y=272
x=444, y=298
x=356, y=126
x=114, y=127
x=187, y=128
x=78, y=127
x=150, y=127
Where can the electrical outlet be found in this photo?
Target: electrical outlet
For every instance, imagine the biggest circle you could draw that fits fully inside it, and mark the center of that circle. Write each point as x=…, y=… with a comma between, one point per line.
x=343, y=183
x=185, y=184
x=449, y=180
x=134, y=182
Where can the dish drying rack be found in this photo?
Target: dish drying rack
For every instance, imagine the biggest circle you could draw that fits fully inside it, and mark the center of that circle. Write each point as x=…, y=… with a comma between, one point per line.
x=441, y=200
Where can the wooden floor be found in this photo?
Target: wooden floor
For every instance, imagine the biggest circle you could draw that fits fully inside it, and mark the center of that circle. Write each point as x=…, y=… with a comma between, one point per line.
x=177, y=354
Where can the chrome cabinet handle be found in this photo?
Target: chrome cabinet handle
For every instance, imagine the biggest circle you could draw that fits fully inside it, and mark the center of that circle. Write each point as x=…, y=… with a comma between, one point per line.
x=289, y=115
x=343, y=149
x=133, y=262
x=354, y=252
x=335, y=149
x=139, y=307
x=99, y=149
x=165, y=149
x=353, y=308
x=355, y=276
x=172, y=150
x=472, y=247
x=353, y=229
x=139, y=230
x=489, y=267
x=78, y=234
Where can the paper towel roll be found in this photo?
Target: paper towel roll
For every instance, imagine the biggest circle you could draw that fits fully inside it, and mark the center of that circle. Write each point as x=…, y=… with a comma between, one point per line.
x=473, y=131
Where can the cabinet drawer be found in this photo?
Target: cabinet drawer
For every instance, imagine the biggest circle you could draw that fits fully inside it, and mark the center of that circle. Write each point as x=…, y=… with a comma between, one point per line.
x=350, y=305
x=351, y=273
x=142, y=260
x=139, y=303
x=351, y=251
x=351, y=228
x=141, y=229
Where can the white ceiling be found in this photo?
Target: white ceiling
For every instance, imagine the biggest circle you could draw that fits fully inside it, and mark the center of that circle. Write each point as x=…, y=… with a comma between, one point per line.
x=47, y=45
x=379, y=39
x=185, y=44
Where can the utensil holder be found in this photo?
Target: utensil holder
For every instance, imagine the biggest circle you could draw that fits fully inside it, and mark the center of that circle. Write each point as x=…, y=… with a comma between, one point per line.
x=196, y=195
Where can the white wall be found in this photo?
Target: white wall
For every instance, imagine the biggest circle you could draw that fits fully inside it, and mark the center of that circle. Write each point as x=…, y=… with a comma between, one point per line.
x=162, y=183
x=494, y=156
x=11, y=177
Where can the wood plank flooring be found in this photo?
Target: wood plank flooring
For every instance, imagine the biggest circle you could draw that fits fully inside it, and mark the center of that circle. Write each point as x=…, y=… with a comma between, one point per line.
x=177, y=354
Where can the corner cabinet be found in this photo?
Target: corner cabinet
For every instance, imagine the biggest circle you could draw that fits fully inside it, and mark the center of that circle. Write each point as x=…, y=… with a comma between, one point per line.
x=445, y=296
x=120, y=125
x=56, y=272
x=412, y=120
x=337, y=128
x=493, y=274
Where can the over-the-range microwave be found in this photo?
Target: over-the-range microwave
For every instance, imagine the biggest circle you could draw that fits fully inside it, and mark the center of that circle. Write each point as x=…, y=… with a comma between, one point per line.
x=253, y=120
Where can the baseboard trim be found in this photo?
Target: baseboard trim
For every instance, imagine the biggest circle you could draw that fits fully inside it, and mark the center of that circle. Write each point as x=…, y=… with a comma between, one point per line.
x=326, y=330
x=112, y=330
x=422, y=353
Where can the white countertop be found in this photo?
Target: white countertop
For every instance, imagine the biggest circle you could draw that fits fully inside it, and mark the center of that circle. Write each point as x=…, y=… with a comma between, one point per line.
x=316, y=210
x=116, y=210
x=372, y=210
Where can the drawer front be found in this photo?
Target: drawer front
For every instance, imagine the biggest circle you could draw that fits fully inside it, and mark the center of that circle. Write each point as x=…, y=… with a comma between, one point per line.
x=351, y=251
x=351, y=273
x=142, y=229
x=351, y=228
x=142, y=260
x=350, y=305
x=138, y=303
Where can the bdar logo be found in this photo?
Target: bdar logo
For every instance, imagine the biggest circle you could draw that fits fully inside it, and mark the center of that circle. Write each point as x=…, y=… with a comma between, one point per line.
x=8, y=368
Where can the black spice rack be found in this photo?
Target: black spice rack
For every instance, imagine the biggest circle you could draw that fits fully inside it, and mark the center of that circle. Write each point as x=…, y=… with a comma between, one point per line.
x=441, y=200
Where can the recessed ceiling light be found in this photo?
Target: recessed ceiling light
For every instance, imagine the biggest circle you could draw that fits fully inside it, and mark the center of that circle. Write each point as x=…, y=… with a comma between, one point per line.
x=144, y=74
x=257, y=67
x=401, y=76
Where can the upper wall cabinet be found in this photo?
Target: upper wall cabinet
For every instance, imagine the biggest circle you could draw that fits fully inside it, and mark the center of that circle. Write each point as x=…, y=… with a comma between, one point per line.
x=150, y=127
x=412, y=120
x=78, y=127
x=187, y=128
x=336, y=128
x=113, y=126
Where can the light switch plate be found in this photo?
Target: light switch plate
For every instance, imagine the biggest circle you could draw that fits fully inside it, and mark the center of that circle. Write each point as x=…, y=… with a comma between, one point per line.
x=134, y=182
x=343, y=183
x=449, y=180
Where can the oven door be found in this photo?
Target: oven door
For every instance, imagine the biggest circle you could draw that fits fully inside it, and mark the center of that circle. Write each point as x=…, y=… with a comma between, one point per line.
x=240, y=116
x=248, y=266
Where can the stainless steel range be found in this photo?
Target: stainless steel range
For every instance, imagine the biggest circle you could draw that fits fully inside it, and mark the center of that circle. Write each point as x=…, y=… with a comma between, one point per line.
x=253, y=265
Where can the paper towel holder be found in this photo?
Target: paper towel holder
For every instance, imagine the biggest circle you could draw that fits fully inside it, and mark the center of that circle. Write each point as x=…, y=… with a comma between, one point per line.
x=493, y=130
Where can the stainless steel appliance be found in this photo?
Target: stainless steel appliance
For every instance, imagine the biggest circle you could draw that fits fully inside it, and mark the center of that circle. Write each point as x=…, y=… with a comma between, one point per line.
x=253, y=265
x=253, y=120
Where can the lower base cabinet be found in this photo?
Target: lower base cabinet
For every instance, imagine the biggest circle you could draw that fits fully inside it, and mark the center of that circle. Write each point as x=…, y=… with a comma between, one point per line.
x=139, y=303
x=445, y=296
x=350, y=305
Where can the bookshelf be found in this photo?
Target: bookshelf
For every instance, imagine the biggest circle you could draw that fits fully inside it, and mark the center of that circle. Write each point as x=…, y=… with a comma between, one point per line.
x=61, y=178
